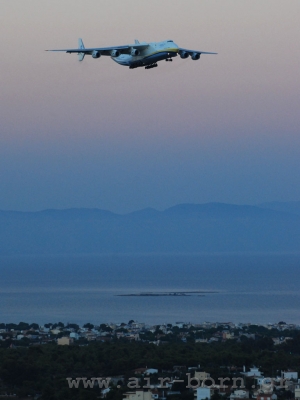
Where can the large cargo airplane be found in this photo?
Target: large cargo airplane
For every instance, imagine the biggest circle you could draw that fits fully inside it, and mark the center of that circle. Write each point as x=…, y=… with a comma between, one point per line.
x=138, y=54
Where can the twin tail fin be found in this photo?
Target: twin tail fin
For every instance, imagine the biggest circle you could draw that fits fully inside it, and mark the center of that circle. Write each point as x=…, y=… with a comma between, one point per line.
x=80, y=46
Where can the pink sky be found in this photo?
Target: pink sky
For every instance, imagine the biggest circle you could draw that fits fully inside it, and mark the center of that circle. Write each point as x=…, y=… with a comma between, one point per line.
x=95, y=134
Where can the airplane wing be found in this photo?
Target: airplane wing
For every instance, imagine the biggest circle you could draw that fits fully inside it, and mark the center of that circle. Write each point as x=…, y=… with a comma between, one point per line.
x=191, y=52
x=104, y=51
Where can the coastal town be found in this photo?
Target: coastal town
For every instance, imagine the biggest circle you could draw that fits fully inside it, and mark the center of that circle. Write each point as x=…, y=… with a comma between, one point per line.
x=23, y=334
x=139, y=361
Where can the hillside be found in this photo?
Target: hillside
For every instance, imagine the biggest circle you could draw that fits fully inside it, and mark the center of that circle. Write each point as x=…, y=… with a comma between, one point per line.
x=211, y=227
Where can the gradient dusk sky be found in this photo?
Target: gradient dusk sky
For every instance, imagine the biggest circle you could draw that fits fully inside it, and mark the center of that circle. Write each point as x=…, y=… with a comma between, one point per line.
x=95, y=134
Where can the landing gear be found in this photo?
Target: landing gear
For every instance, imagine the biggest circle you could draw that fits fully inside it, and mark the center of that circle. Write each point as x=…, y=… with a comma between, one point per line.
x=151, y=66
x=136, y=65
x=169, y=59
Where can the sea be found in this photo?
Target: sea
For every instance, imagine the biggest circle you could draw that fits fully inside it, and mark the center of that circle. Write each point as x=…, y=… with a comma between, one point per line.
x=255, y=288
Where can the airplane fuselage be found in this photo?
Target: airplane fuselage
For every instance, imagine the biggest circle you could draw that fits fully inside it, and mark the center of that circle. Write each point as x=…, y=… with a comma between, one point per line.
x=155, y=52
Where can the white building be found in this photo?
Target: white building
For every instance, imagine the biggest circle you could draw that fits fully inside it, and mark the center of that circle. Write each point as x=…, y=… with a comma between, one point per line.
x=19, y=337
x=203, y=393
x=151, y=371
x=104, y=392
x=265, y=385
x=201, y=375
x=289, y=375
x=138, y=395
x=64, y=341
x=253, y=372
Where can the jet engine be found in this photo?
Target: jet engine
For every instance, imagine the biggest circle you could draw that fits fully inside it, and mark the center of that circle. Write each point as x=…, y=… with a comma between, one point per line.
x=196, y=56
x=96, y=54
x=115, y=53
x=184, y=54
x=135, y=52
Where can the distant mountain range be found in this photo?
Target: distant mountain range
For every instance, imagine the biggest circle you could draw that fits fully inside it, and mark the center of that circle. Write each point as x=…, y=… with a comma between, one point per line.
x=292, y=207
x=185, y=228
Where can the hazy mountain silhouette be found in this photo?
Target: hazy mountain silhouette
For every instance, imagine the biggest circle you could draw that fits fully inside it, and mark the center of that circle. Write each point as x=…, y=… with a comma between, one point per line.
x=211, y=227
x=291, y=206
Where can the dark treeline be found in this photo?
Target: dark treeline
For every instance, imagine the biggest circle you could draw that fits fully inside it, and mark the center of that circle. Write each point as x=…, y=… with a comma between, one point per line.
x=44, y=369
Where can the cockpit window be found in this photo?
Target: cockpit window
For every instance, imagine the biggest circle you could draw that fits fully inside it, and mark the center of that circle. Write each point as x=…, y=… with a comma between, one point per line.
x=170, y=40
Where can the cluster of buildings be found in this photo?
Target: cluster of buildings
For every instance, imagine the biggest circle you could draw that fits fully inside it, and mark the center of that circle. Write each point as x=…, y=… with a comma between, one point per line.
x=206, y=332
x=204, y=388
x=168, y=383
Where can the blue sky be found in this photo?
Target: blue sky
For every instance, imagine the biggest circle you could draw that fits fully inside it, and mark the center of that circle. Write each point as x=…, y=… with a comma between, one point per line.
x=95, y=134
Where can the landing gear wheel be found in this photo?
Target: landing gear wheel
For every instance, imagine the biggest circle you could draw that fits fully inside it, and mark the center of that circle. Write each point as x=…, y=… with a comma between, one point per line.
x=151, y=66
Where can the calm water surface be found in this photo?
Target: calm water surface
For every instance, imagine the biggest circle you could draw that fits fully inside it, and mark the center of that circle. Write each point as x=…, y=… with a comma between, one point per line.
x=250, y=288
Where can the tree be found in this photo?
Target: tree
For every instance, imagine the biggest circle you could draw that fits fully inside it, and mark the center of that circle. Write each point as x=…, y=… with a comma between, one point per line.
x=88, y=326
x=34, y=326
x=23, y=326
x=73, y=326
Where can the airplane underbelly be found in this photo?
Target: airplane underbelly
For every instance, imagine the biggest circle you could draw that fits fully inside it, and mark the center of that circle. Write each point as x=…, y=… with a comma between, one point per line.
x=140, y=61
x=158, y=57
x=151, y=59
x=123, y=59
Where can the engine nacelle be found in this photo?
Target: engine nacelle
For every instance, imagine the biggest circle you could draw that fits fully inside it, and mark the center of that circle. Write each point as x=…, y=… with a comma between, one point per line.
x=196, y=56
x=184, y=54
x=134, y=52
x=96, y=54
x=115, y=53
